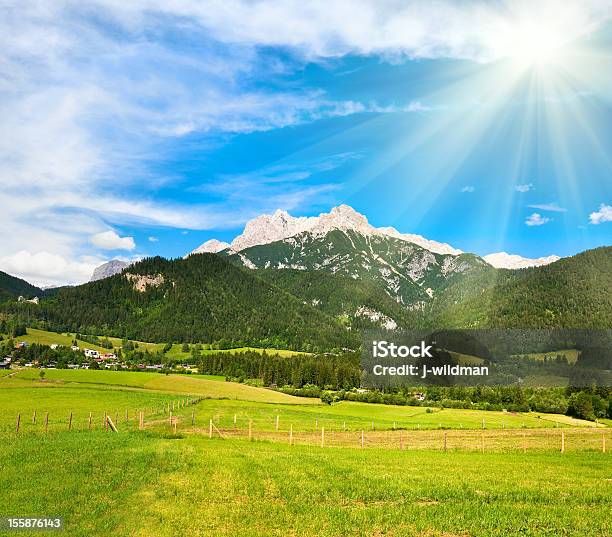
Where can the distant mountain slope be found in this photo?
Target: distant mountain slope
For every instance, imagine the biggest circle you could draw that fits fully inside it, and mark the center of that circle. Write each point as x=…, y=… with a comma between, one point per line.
x=12, y=287
x=510, y=261
x=202, y=298
x=574, y=292
x=110, y=268
x=409, y=274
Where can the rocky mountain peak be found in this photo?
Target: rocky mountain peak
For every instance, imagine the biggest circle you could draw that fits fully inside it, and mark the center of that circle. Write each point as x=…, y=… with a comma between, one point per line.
x=110, y=268
x=268, y=228
x=212, y=246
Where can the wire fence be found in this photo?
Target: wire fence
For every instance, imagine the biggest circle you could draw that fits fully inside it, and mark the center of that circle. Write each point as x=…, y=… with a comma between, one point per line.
x=179, y=417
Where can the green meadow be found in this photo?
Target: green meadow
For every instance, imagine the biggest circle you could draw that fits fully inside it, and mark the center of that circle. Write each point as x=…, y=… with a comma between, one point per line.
x=158, y=482
x=44, y=337
x=141, y=484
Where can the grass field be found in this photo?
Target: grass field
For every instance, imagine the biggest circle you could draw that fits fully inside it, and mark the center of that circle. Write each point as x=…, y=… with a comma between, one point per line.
x=175, y=353
x=224, y=400
x=162, y=483
x=200, y=385
x=141, y=484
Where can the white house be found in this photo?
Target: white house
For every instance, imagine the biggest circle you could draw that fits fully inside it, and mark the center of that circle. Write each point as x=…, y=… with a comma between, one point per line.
x=90, y=353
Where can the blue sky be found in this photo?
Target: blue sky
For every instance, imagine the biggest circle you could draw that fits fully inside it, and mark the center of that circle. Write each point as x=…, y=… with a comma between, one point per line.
x=150, y=127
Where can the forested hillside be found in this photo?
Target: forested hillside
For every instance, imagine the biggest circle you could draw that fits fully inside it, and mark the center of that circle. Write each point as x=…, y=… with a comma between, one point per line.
x=201, y=298
x=358, y=303
x=12, y=288
x=575, y=292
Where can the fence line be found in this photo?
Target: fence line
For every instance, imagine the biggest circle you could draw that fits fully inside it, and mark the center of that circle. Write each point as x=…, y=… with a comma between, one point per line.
x=484, y=440
x=493, y=440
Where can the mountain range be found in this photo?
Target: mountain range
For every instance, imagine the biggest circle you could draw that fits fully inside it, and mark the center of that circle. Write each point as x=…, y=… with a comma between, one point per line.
x=316, y=282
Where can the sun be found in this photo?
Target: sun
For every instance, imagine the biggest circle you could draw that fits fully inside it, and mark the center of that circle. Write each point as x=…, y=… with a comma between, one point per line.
x=531, y=45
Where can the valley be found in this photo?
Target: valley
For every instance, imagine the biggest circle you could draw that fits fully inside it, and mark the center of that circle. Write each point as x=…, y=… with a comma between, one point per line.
x=400, y=477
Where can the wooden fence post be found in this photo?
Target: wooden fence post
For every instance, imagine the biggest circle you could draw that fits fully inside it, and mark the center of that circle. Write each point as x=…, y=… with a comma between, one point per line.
x=234, y=422
x=175, y=420
x=524, y=442
x=250, y=430
x=562, y=441
x=372, y=425
x=127, y=415
x=105, y=421
x=277, y=422
x=322, y=436
x=394, y=426
x=89, y=423
x=603, y=442
x=110, y=423
x=18, y=423
x=70, y=422
x=210, y=428
x=483, y=423
x=344, y=425
x=192, y=418
x=291, y=434
x=34, y=418
x=46, y=421
x=317, y=424
x=170, y=418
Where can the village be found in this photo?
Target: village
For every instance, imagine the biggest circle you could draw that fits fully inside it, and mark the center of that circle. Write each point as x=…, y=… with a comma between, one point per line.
x=86, y=358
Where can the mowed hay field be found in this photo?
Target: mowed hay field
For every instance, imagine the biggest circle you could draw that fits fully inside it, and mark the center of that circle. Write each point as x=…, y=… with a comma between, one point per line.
x=158, y=482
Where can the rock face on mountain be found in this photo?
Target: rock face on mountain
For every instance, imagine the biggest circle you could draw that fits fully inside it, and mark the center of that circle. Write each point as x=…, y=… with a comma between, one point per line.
x=266, y=229
x=115, y=266
x=509, y=261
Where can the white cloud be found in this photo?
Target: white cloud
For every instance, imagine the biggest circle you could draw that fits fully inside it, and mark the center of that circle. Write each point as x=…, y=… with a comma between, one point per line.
x=153, y=239
x=477, y=30
x=468, y=189
x=109, y=240
x=49, y=269
x=603, y=215
x=89, y=92
x=524, y=188
x=537, y=220
x=553, y=207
